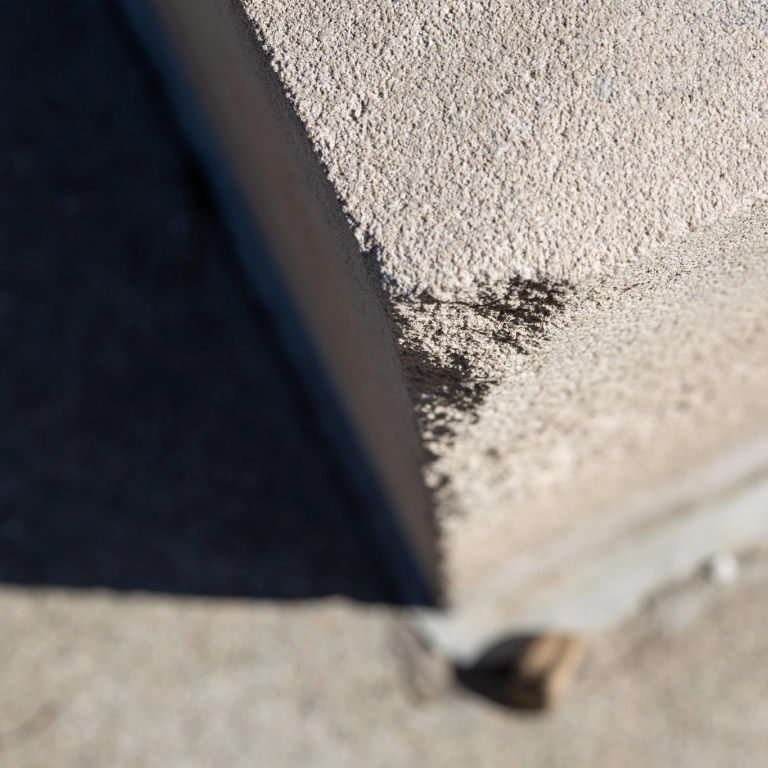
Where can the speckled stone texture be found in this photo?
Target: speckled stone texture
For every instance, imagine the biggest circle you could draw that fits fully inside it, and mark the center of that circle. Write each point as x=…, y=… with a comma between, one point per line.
x=565, y=206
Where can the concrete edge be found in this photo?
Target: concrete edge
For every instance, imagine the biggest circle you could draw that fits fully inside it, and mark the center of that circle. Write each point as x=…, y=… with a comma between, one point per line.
x=413, y=574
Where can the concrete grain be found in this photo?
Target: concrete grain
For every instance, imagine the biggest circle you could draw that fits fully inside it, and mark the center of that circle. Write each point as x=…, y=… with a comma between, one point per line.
x=476, y=142
x=565, y=206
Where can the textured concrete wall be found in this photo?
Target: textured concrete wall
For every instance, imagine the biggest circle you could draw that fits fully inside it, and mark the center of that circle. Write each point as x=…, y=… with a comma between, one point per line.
x=565, y=206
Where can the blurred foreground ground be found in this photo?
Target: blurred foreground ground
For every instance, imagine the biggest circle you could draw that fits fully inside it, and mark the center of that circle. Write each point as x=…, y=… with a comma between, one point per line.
x=98, y=679
x=173, y=541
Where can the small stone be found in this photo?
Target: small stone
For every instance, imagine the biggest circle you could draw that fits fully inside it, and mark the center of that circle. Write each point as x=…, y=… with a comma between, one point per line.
x=722, y=568
x=544, y=671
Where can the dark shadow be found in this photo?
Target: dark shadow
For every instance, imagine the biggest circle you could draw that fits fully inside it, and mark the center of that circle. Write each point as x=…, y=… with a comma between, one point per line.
x=490, y=676
x=151, y=436
x=487, y=683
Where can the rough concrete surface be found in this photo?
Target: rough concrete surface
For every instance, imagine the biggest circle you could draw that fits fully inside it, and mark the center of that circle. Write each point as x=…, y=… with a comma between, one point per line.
x=152, y=440
x=476, y=142
x=565, y=205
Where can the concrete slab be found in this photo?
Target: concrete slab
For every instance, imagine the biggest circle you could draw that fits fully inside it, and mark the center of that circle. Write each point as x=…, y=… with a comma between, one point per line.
x=565, y=207
x=154, y=681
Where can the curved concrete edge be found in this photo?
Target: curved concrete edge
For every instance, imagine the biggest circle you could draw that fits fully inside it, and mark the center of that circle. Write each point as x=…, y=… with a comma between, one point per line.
x=306, y=271
x=590, y=583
